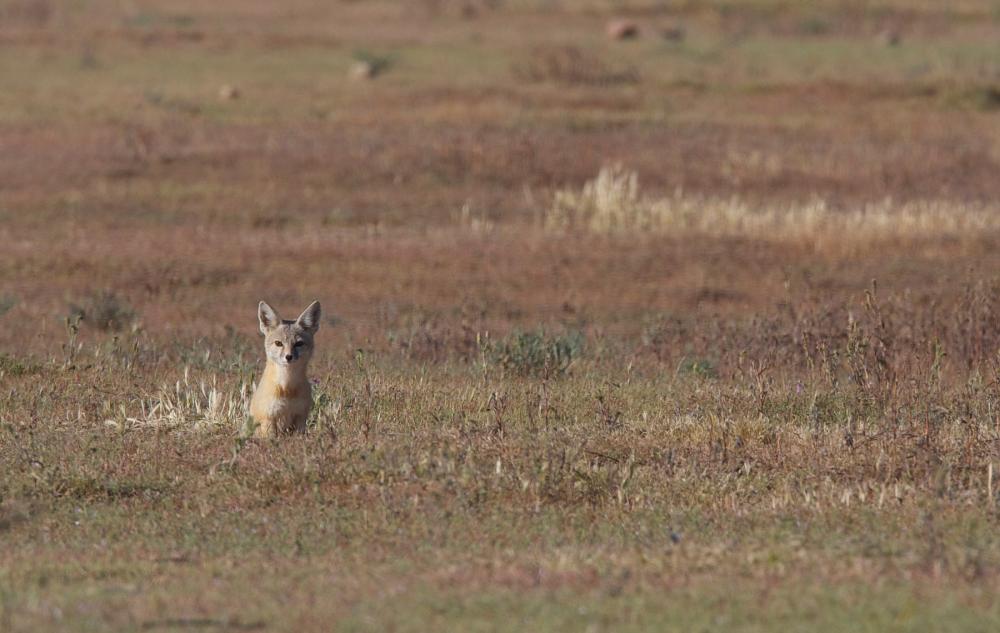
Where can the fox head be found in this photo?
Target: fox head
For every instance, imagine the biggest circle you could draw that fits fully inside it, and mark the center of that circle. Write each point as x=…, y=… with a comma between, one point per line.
x=288, y=342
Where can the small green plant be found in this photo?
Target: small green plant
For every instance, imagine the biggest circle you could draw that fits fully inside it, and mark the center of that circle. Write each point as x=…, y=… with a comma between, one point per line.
x=325, y=410
x=537, y=353
x=698, y=367
x=6, y=303
x=104, y=310
x=376, y=63
x=984, y=98
x=815, y=25
x=13, y=366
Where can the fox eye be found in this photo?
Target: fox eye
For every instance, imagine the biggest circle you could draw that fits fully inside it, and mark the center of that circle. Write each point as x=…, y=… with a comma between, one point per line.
x=299, y=343
x=279, y=343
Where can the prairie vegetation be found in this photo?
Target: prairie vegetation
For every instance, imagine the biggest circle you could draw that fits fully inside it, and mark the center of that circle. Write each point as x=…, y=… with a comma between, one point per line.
x=691, y=331
x=612, y=203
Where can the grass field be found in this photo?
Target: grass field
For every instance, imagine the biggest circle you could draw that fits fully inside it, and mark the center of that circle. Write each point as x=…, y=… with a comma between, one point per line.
x=691, y=332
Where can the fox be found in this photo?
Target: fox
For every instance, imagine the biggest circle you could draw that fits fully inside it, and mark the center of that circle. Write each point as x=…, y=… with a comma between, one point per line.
x=283, y=397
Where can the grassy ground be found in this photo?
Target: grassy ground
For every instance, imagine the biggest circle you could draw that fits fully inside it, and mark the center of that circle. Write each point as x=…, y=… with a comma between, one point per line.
x=755, y=389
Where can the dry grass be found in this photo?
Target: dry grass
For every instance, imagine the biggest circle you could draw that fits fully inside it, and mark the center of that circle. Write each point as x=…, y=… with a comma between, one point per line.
x=571, y=65
x=612, y=203
x=618, y=480
x=190, y=406
x=540, y=402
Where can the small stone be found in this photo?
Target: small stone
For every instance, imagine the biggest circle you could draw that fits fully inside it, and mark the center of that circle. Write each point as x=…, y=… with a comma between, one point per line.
x=362, y=70
x=889, y=37
x=620, y=29
x=469, y=11
x=229, y=93
x=673, y=33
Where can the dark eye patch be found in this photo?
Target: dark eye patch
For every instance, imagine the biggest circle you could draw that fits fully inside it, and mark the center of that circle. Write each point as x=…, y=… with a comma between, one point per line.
x=279, y=343
x=299, y=343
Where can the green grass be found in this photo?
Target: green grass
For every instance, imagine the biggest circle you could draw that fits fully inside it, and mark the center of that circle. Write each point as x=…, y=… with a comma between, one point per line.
x=738, y=607
x=303, y=82
x=428, y=501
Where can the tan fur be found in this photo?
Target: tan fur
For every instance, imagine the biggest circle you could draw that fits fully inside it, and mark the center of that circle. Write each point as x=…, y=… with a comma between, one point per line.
x=288, y=393
x=281, y=402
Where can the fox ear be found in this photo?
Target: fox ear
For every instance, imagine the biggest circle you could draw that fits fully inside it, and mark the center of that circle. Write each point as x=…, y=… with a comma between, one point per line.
x=267, y=316
x=309, y=319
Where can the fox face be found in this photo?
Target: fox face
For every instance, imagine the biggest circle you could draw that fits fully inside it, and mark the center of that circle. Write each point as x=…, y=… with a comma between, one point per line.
x=288, y=343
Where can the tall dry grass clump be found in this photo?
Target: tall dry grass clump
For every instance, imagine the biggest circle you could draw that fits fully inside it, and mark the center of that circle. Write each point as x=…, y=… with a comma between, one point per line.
x=190, y=405
x=613, y=203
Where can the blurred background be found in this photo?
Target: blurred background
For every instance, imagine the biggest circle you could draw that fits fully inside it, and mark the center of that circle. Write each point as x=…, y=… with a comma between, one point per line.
x=169, y=163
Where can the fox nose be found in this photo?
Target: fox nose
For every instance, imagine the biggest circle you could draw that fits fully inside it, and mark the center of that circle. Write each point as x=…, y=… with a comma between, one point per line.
x=288, y=357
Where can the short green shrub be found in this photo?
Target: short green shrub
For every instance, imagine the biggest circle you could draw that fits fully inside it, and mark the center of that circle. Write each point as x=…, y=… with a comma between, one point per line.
x=13, y=366
x=537, y=353
x=6, y=303
x=105, y=311
x=699, y=367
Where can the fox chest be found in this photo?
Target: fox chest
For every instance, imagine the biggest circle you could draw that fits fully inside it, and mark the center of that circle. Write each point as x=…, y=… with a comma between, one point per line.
x=281, y=406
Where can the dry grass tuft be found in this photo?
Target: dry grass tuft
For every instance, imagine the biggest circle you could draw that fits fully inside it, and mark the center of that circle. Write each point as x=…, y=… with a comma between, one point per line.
x=191, y=406
x=104, y=310
x=572, y=65
x=613, y=203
